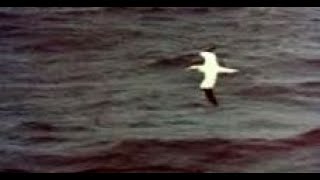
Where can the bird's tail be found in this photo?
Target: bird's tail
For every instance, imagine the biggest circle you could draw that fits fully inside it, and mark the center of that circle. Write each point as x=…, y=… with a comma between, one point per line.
x=227, y=70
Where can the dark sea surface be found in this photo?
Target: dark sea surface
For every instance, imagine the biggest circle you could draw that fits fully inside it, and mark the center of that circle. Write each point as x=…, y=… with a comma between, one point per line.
x=106, y=90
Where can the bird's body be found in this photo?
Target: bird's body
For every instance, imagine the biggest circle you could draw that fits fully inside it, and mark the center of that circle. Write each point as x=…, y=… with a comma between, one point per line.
x=210, y=70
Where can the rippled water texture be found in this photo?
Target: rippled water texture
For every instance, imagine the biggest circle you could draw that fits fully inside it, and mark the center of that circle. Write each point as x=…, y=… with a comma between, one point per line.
x=105, y=90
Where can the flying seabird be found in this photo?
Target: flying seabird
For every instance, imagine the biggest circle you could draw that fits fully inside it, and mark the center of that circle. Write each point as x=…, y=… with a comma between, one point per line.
x=210, y=69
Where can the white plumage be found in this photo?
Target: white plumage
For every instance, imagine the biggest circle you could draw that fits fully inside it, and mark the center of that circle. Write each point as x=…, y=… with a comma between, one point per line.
x=210, y=69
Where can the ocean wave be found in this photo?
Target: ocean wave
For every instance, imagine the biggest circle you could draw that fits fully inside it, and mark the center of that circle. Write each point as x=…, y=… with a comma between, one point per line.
x=265, y=90
x=154, y=155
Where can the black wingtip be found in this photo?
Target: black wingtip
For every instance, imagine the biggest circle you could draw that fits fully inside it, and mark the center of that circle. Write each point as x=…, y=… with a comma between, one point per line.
x=211, y=97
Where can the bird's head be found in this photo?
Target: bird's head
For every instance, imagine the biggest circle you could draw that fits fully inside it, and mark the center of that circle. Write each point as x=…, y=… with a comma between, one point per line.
x=206, y=54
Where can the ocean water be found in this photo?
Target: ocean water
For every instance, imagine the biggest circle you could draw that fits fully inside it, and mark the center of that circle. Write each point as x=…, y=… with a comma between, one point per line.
x=105, y=90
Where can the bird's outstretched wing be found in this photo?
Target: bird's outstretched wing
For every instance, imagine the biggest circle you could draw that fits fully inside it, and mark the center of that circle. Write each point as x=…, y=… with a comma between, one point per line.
x=210, y=96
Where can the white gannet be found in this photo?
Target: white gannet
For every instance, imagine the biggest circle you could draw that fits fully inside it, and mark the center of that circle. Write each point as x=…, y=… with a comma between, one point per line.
x=210, y=69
